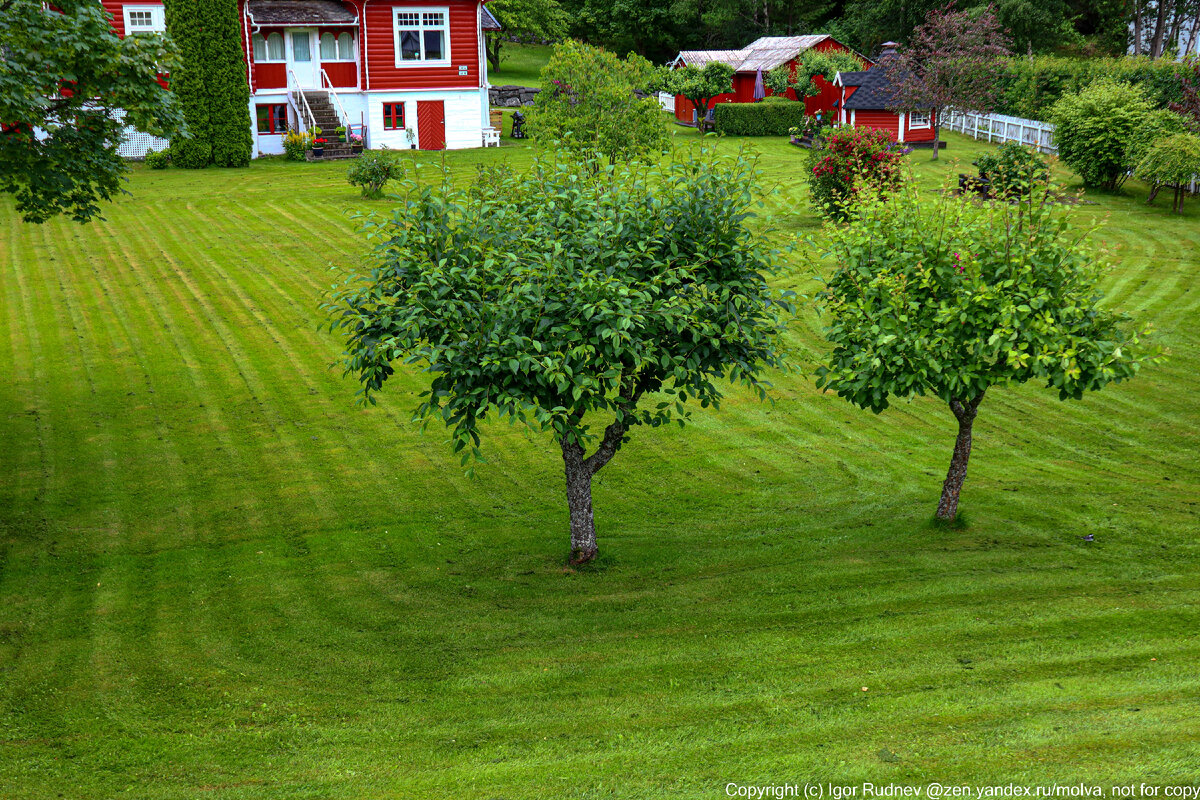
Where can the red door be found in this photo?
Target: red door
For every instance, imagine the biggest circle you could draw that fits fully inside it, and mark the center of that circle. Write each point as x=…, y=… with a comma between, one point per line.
x=431, y=124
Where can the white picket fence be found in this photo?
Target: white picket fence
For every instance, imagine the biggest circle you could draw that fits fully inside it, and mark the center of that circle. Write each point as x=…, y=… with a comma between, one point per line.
x=667, y=101
x=1000, y=128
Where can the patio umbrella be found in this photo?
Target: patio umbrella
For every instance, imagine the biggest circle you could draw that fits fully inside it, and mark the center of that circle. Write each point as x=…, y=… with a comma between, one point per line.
x=760, y=91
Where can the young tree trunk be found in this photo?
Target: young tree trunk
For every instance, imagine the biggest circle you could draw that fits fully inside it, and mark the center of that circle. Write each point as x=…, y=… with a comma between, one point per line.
x=964, y=412
x=1137, y=27
x=492, y=45
x=1160, y=24
x=937, y=134
x=579, y=501
x=1153, y=193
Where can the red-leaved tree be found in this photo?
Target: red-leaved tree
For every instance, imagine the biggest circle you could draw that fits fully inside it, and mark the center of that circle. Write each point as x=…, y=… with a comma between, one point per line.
x=954, y=60
x=1189, y=79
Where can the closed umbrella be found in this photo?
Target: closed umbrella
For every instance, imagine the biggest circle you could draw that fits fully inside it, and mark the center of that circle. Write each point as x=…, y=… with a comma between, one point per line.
x=760, y=91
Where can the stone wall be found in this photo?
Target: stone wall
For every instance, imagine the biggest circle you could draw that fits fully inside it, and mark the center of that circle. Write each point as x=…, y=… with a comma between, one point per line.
x=511, y=96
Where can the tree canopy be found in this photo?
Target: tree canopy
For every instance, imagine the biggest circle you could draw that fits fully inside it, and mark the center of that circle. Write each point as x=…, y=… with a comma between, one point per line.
x=588, y=104
x=698, y=85
x=826, y=63
x=68, y=88
x=564, y=297
x=524, y=19
x=951, y=298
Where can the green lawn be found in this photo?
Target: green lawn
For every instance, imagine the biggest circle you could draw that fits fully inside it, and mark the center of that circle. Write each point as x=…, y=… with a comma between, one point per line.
x=520, y=64
x=220, y=579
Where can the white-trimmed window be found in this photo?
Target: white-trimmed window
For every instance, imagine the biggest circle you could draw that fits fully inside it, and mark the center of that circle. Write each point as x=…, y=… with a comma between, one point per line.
x=268, y=48
x=422, y=36
x=919, y=119
x=337, y=48
x=144, y=19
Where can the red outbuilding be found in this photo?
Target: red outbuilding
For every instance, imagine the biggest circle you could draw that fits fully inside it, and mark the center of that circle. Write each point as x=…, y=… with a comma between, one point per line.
x=864, y=98
x=765, y=54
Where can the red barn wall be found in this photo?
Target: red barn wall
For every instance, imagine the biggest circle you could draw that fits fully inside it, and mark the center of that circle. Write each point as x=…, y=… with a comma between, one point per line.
x=883, y=120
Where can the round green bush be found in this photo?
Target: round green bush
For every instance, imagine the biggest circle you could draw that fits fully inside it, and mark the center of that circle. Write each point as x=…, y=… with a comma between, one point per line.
x=1094, y=128
x=372, y=170
x=158, y=160
x=1013, y=169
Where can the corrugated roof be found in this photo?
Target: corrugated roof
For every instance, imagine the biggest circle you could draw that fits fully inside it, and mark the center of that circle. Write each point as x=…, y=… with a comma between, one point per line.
x=765, y=53
x=300, y=12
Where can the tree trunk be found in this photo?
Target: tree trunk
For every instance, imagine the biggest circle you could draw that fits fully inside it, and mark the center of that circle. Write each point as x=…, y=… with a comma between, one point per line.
x=491, y=47
x=1153, y=193
x=579, y=501
x=937, y=134
x=964, y=412
x=1191, y=45
x=1137, y=27
x=1156, y=45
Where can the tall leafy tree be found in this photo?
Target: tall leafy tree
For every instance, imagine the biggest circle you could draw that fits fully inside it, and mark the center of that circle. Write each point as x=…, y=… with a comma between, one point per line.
x=524, y=19
x=68, y=87
x=588, y=104
x=954, y=299
x=569, y=297
x=955, y=59
x=211, y=84
x=698, y=85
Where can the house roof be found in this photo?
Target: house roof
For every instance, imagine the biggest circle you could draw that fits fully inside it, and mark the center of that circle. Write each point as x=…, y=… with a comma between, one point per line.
x=488, y=20
x=765, y=53
x=300, y=12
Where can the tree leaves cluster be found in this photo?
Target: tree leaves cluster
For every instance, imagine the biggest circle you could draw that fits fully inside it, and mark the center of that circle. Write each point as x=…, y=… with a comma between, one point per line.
x=568, y=294
x=590, y=104
x=68, y=88
x=802, y=78
x=211, y=83
x=1096, y=127
x=536, y=20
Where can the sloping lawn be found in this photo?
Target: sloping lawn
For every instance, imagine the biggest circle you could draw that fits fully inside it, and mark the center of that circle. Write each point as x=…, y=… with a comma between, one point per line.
x=221, y=579
x=520, y=64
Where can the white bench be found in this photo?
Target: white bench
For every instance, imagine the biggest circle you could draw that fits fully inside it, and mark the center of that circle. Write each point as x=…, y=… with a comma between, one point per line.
x=491, y=137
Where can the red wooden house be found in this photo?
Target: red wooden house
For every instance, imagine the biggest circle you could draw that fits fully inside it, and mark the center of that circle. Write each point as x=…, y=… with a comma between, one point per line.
x=764, y=54
x=864, y=98
x=400, y=72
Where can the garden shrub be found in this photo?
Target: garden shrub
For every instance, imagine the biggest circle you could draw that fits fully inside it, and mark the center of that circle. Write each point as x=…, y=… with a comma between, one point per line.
x=160, y=159
x=295, y=145
x=372, y=171
x=1094, y=128
x=758, y=119
x=1013, y=169
x=1171, y=162
x=848, y=159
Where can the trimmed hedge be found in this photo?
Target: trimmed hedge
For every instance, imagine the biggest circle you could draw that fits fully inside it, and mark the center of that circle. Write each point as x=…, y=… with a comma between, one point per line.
x=1032, y=85
x=758, y=119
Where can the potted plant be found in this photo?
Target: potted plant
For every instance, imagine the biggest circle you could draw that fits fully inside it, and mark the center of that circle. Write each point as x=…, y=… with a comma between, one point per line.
x=318, y=147
x=411, y=136
x=356, y=143
x=341, y=133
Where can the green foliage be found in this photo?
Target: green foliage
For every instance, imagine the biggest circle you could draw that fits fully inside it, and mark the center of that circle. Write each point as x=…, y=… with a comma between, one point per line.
x=1094, y=128
x=569, y=289
x=210, y=83
x=758, y=119
x=698, y=85
x=827, y=64
x=373, y=170
x=539, y=20
x=947, y=297
x=1013, y=169
x=1031, y=86
x=849, y=160
x=73, y=164
x=295, y=145
x=160, y=159
x=1158, y=124
x=1171, y=161
x=587, y=105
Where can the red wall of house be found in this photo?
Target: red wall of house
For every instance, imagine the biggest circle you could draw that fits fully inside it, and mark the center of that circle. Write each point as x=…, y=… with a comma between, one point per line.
x=270, y=76
x=117, y=9
x=883, y=120
x=380, y=50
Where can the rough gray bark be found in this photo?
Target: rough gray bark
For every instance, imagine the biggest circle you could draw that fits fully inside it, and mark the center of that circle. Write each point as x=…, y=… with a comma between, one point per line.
x=1137, y=27
x=580, y=470
x=1156, y=44
x=964, y=412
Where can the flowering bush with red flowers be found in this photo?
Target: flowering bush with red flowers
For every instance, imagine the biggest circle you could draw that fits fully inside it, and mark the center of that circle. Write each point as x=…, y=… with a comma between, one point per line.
x=850, y=159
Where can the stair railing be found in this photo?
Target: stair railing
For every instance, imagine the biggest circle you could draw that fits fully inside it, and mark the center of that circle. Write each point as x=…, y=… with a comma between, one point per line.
x=296, y=96
x=327, y=85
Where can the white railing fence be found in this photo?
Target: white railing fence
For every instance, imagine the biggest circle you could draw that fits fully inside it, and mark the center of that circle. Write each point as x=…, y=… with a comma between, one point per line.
x=299, y=102
x=1000, y=128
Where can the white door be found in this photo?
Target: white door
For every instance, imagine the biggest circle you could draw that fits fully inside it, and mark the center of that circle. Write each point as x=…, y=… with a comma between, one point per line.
x=302, y=57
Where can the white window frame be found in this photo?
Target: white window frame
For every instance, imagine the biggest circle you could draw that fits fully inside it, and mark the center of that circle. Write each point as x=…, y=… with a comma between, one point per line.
x=267, y=48
x=158, y=20
x=337, y=50
x=914, y=116
x=446, y=60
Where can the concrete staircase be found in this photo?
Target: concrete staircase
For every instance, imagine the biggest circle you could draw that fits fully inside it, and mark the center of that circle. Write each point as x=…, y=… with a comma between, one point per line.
x=327, y=120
